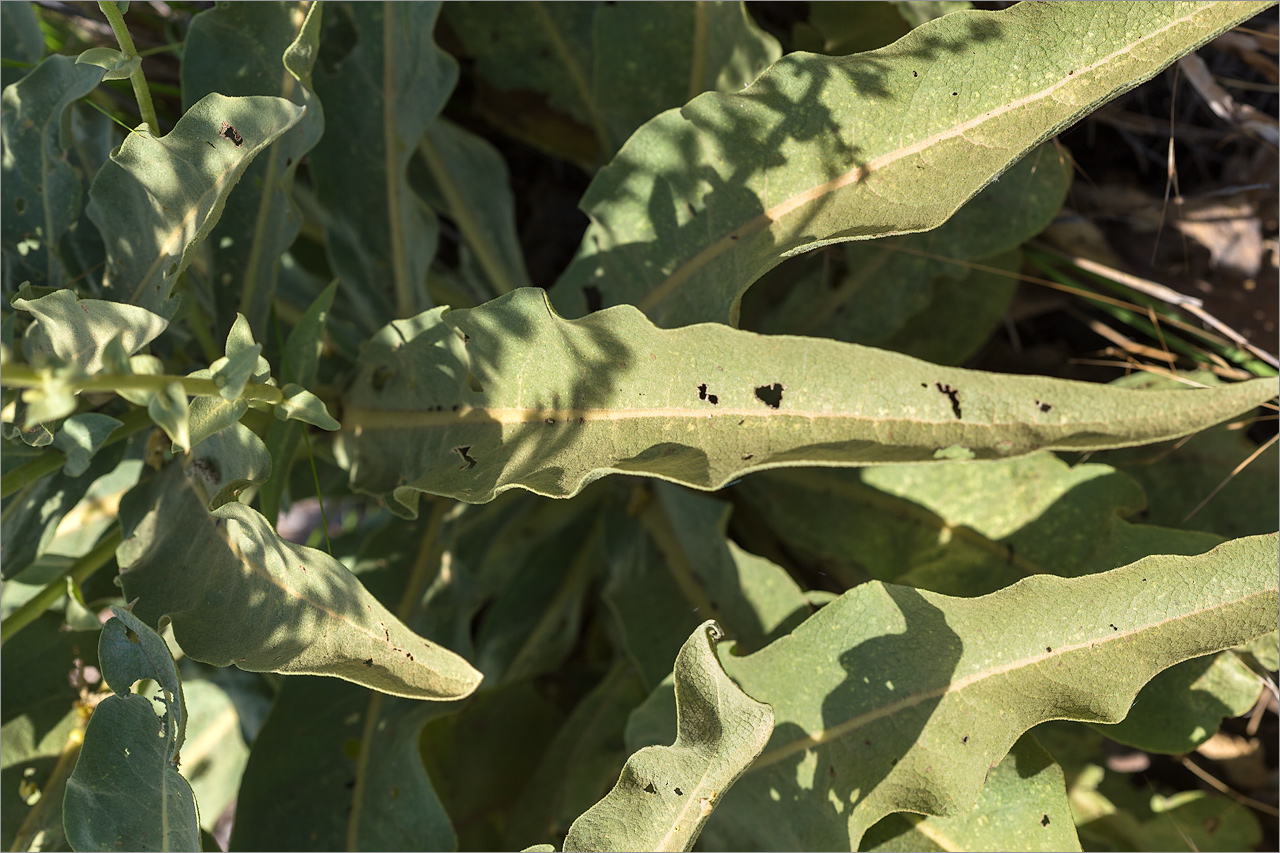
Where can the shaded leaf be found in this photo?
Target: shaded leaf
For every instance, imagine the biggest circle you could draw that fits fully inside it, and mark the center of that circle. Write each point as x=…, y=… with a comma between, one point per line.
x=470, y=185
x=1023, y=806
x=78, y=331
x=215, y=753
x=80, y=437
x=910, y=696
x=169, y=409
x=158, y=198
x=39, y=191
x=236, y=593
x=473, y=402
x=126, y=791
x=261, y=220
x=705, y=199
x=666, y=793
x=962, y=529
x=381, y=98
x=20, y=39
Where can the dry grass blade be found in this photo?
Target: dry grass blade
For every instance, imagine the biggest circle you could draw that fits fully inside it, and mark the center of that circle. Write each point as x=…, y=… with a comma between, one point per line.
x=1252, y=456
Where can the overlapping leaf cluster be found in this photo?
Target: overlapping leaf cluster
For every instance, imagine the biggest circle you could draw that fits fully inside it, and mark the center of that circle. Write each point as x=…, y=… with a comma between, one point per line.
x=911, y=580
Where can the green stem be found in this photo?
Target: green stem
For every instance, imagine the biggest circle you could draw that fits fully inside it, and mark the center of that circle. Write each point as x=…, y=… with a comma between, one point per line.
x=52, y=460
x=79, y=571
x=140, y=90
x=22, y=376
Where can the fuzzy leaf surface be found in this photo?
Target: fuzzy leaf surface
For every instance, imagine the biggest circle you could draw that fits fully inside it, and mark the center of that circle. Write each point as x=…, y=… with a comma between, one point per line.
x=239, y=594
x=158, y=198
x=666, y=793
x=909, y=696
x=473, y=402
x=703, y=200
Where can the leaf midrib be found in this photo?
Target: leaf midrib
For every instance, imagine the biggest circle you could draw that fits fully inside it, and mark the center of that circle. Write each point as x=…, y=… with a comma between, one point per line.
x=845, y=728
x=860, y=172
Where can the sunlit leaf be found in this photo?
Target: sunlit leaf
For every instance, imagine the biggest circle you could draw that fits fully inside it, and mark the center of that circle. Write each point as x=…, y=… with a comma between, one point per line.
x=473, y=402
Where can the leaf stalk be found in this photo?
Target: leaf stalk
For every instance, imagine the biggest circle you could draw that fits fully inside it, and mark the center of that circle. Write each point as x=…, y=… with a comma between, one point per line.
x=140, y=89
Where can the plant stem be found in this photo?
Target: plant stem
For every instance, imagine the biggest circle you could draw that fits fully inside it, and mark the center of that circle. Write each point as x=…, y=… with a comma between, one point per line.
x=23, y=376
x=140, y=90
x=79, y=571
x=51, y=460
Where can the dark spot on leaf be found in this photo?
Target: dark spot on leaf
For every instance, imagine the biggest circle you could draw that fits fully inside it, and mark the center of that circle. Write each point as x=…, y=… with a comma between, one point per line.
x=649, y=789
x=831, y=771
x=955, y=93
x=703, y=395
x=592, y=294
x=1044, y=407
x=465, y=453
x=964, y=739
x=288, y=161
x=692, y=212
x=770, y=395
x=455, y=407
x=229, y=132
x=368, y=662
x=1114, y=628
x=1048, y=648
x=1211, y=825
x=20, y=204
x=350, y=783
x=733, y=237
x=1044, y=820
x=914, y=74
x=952, y=394
x=748, y=456
x=381, y=376
x=550, y=421
x=131, y=635
x=866, y=743
x=679, y=793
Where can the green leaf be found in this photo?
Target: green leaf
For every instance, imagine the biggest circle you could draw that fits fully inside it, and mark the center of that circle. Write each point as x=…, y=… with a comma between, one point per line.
x=919, y=12
x=80, y=437
x=891, y=280
x=234, y=370
x=469, y=184
x=1183, y=706
x=45, y=667
x=228, y=462
x=215, y=753
x=237, y=593
x=704, y=200
x=674, y=569
x=962, y=529
x=39, y=191
x=349, y=757
x=381, y=98
x=126, y=791
x=31, y=518
x=78, y=331
x=118, y=65
x=470, y=403
x=169, y=410
x=261, y=220
x=1266, y=651
x=666, y=793
x=299, y=404
x=910, y=696
x=158, y=198
x=582, y=761
x=301, y=361
x=20, y=39
x=584, y=56
x=1023, y=806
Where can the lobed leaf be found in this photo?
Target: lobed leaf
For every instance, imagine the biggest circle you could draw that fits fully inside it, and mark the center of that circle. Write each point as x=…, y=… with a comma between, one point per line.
x=126, y=791
x=909, y=696
x=474, y=402
x=666, y=793
x=236, y=593
x=158, y=198
x=261, y=220
x=705, y=199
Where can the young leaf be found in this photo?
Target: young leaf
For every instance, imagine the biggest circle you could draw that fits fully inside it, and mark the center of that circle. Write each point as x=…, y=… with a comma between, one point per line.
x=381, y=98
x=126, y=791
x=666, y=793
x=237, y=593
x=470, y=403
x=911, y=696
x=78, y=331
x=704, y=200
x=118, y=65
x=80, y=437
x=261, y=220
x=158, y=198
x=39, y=190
